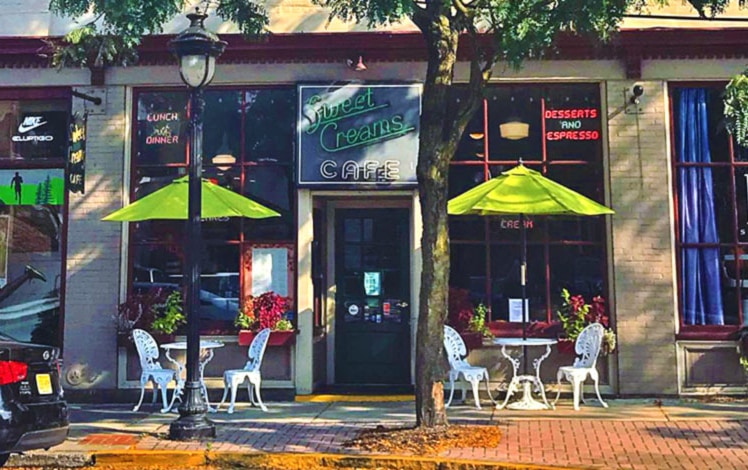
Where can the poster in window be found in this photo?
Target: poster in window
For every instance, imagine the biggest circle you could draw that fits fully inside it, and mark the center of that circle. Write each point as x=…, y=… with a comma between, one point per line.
x=372, y=282
x=26, y=187
x=41, y=134
x=4, y=243
x=515, y=310
x=270, y=271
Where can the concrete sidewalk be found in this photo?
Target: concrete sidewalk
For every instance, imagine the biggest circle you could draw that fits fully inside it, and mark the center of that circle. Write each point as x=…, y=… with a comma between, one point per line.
x=630, y=434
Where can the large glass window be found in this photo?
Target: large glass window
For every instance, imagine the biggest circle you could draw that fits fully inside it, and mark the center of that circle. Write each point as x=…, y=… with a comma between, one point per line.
x=254, y=127
x=553, y=129
x=33, y=151
x=710, y=193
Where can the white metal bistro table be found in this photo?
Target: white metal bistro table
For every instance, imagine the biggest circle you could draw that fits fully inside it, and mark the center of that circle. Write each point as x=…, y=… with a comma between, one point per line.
x=206, y=354
x=528, y=381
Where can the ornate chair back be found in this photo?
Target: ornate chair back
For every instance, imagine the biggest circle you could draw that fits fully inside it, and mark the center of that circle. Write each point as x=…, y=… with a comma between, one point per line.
x=455, y=347
x=147, y=349
x=588, y=345
x=257, y=350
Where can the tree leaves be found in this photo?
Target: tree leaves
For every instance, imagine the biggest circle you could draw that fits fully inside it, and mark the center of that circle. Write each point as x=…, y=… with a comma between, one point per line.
x=251, y=17
x=86, y=47
x=111, y=30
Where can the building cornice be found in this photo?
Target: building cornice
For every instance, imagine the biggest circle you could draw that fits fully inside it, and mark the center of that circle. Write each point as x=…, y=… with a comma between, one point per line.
x=630, y=46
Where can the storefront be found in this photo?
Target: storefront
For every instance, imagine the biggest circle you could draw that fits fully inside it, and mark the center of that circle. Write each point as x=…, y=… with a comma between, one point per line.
x=33, y=211
x=333, y=150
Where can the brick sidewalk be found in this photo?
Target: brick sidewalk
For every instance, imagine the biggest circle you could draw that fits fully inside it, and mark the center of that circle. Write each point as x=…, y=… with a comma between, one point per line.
x=603, y=444
x=622, y=437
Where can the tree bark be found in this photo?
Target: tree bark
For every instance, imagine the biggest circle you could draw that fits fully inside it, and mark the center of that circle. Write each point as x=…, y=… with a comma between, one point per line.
x=434, y=154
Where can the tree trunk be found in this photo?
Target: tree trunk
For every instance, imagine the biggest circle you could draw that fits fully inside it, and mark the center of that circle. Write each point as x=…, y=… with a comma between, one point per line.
x=434, y=154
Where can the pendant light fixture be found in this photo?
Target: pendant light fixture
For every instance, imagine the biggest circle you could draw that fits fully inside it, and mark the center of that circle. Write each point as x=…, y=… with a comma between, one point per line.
x=514, y=128
x=223, y=159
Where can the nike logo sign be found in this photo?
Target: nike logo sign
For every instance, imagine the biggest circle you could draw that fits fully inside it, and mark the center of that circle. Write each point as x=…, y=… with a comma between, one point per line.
x=30, y=123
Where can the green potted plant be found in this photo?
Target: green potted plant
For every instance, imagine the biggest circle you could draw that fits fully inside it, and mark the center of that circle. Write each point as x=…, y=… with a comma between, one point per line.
x=136, y=312
x=168, y=316
x=479, y=323
x=268, y=310
x=575, y=314
x=743, y=347
x=735, y=101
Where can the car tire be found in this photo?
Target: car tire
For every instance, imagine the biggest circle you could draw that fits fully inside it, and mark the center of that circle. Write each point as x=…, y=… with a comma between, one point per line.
x=4, y=458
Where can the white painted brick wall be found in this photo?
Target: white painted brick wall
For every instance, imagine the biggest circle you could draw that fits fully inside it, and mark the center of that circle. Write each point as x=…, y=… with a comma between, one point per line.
x=93, y=256
x=641, y=243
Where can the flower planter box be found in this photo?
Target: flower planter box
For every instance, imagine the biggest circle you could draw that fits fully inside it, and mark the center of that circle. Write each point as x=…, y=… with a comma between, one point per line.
x=163, y=338
x=566, y=346
x=277, y=338
x=473, y=340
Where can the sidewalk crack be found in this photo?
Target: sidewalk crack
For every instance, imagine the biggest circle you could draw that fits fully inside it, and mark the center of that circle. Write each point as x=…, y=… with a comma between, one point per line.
x=329, y=405
x=658, y=403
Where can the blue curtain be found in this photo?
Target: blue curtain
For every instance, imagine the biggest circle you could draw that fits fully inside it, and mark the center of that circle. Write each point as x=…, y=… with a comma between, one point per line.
x=700, y=267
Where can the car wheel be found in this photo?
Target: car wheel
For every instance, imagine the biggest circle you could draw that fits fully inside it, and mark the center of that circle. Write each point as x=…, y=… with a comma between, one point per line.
x=4, y=458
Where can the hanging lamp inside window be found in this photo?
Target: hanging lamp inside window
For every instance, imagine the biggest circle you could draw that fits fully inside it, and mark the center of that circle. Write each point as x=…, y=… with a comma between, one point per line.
x=514, y=128
x=223, y=159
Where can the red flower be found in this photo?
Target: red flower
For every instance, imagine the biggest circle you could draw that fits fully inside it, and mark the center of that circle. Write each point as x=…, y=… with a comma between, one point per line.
x=460, y=309
x=266, y=309
x=577, y=303
x=597, y=311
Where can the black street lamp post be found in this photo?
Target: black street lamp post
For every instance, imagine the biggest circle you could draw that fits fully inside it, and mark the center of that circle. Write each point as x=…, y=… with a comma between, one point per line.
x=197, y=50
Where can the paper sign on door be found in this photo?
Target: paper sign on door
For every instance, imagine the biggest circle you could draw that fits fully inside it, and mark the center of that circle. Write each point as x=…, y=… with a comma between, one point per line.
x=515, y=310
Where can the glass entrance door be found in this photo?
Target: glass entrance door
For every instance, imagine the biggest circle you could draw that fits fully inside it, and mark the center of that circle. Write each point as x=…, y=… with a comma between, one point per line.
x=372, y=274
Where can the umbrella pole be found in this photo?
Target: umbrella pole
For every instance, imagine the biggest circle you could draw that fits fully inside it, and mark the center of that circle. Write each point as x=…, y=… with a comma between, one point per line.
x=523, y=282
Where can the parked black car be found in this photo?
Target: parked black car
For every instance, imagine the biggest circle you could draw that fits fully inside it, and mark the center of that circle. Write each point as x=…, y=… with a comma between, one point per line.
x=33, y=413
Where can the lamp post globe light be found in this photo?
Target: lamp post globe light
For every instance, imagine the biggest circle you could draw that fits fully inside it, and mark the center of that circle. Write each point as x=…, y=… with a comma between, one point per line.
x=197, y=50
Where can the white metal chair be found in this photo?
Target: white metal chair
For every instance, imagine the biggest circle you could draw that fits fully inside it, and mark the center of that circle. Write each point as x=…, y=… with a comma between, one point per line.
x=458, y=365
x=251, y=372
x=151, y=369
x=587, y=348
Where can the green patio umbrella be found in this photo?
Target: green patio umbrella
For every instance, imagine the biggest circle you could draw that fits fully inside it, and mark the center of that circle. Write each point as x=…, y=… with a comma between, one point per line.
x=521, y=191
x=170, y=202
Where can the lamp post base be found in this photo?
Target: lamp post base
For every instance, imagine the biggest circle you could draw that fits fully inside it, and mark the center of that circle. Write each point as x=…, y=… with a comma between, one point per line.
x=192, y=428
x=192, y=424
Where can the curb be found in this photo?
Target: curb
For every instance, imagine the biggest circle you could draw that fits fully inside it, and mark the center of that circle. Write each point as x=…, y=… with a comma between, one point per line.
x=260, y=461
x=291, y=461
x=51, y=460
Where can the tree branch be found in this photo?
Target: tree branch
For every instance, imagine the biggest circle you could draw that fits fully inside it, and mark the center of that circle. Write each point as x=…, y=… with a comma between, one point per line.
x=481, y=67
x=421, y=18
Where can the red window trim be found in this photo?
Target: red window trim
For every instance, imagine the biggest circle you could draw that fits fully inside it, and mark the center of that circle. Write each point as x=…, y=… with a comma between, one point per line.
x=708, y=333
x=699, y=332
x=550, y=328
x=504, y=329
x=209, y=327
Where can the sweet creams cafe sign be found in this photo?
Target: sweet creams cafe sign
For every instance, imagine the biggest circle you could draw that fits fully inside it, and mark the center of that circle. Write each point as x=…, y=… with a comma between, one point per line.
x=358, y=135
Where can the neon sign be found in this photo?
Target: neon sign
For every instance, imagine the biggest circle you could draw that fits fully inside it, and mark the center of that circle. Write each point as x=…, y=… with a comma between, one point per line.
x=572, y=124
x=338, y=123
x=358, y=134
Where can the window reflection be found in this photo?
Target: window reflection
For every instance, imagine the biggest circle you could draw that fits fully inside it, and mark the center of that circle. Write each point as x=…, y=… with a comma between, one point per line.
x=255, y=127
x=485, y=251
x=31, y=257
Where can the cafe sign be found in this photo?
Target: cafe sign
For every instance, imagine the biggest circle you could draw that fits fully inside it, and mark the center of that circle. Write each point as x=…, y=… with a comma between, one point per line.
x=358, y=135
x=77, y=154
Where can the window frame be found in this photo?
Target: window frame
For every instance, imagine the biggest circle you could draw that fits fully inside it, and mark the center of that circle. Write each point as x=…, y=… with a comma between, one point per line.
x=703, y=332
x=41, y=95
x=244, y=165
x=549, y=327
